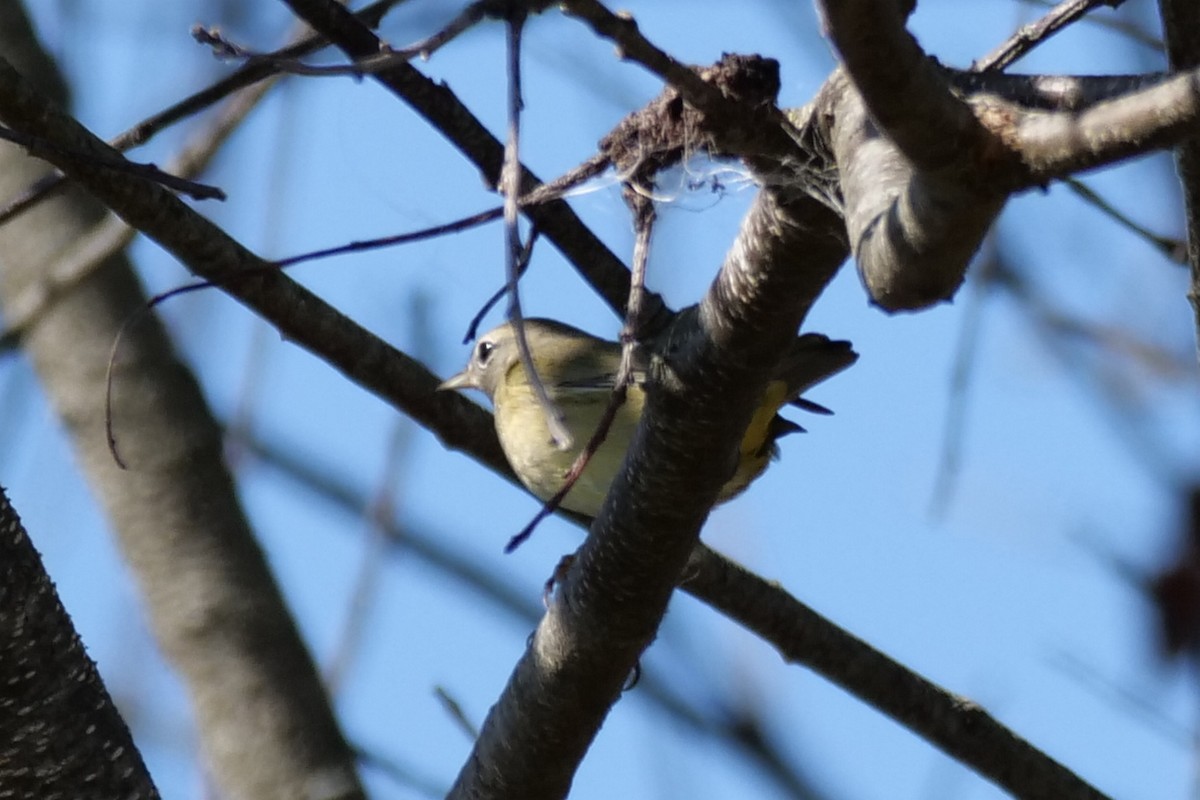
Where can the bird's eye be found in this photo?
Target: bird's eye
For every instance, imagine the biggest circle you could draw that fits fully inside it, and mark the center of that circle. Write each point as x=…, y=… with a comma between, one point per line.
x=483, y=353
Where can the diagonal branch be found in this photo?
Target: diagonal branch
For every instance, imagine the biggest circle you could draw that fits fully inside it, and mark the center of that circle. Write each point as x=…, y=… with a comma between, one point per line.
x=209, y=252
x=267, y=728
x=1035, y=33
x=711, y=362
x=439, y=105
x=710, y=373
x=139, y=134
x=957, y=726
x=60, y=727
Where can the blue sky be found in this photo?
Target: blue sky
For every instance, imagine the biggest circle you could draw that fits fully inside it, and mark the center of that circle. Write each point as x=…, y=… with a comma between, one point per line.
x=1001, y=598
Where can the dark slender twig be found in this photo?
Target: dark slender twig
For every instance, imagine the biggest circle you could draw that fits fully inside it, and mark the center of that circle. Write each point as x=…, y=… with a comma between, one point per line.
x=189, y=106
x=510, y=181
x=502, y=292
x=457, y=226
x=129, y=322
x=643, y=208
x=386, y=58
x=1173, y=249
x=1035, y=33
x=41, y=148
x=1129, y=29
x=455, y=710
x=544, y=193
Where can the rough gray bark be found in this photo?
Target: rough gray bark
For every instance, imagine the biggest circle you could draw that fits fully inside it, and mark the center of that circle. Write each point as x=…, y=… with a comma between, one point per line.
x=61, y=737
x=265, y=723
x=713, y=361
x=1181, y=26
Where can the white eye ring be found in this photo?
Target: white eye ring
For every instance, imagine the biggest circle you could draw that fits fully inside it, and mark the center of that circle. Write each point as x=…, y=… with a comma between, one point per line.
x=483, y=352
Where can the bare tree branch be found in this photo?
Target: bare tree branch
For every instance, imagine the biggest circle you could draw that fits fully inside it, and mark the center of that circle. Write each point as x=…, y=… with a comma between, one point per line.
x=713, y=365
x=266, y=726
x=1181, y=24
x=434, y=101
x=141, y=133
x=1054, y=145
x=948, y=164
x=60, y=729
x=432, y=548
x=959, y=727
x=1035, y=33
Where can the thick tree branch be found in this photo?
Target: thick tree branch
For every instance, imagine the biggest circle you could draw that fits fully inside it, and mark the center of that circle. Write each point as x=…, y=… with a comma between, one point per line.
x=912, y=237
x=913, y=232
x=499, y=590
x=59, y=727
x=960, y=728
x=1049, y=92
x=904, y=89
x=265, y=723
x=209, y=252
x=948, y=163
x=1053, y=145
x=1181, y=25
x=710, y=373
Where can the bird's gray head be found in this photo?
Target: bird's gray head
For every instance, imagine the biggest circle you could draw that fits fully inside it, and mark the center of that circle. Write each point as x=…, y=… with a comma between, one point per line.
x=560, y=352
x=492, y=357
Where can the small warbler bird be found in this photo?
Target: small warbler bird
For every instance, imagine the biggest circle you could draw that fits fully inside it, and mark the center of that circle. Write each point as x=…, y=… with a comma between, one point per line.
x=578, y=372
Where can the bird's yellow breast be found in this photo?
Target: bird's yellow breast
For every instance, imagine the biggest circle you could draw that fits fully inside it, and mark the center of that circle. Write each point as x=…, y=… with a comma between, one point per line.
x=537, y=460
x=542, y=467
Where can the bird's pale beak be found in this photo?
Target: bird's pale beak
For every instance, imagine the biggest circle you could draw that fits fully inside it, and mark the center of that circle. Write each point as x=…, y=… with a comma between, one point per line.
x=460, y=381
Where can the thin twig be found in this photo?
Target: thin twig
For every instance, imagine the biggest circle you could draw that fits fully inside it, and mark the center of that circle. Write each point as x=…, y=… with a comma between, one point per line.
x=40, y=147
x=1134, y=32
x=455, y=710
x=510, y=181
x=1173, y=249
x=544, y=193
x=502, y=292
x=1035, y=33
x=386, y=58
x=643, y=208
x=129, y=322
x=191, y=105
x=456, y=226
